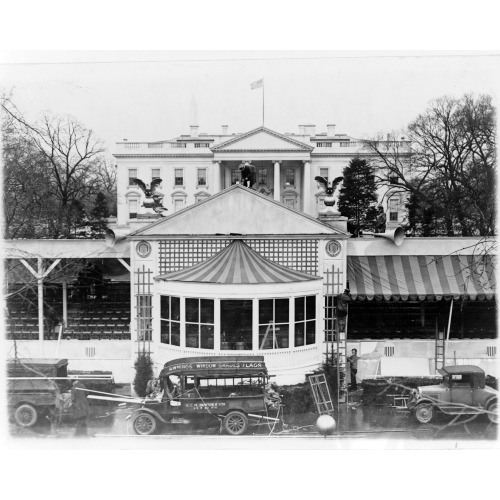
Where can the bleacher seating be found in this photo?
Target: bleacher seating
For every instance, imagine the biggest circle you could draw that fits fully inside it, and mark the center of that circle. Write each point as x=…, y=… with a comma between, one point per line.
x=104, y=319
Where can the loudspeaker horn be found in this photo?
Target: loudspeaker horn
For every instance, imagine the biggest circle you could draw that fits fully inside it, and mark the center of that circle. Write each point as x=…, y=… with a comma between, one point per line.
x=397, y=235
x=112, y=236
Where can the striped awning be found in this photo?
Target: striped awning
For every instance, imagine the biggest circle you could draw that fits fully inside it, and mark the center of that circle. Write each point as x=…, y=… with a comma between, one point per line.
x=237, y=264
x=421, y=277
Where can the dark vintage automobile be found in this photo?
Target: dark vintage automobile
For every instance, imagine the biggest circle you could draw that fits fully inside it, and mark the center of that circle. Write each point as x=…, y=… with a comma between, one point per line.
x=462, y=392
x=39, y=388
x=31, y=392
x=231, y=390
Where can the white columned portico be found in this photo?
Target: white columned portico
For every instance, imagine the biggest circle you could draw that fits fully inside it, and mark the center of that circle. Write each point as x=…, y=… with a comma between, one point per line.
x=216, y=164
x=307, y=187
x=277, y=180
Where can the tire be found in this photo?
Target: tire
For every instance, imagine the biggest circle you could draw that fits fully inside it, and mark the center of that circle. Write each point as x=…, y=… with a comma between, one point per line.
x=144, y=424
x=424, y=413
x=235, y=423
x=25, y=415
x=493, y=412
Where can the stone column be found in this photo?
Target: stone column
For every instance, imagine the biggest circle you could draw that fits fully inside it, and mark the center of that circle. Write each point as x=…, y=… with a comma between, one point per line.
x=306, y=196
x=216, y=176
x=277, y=180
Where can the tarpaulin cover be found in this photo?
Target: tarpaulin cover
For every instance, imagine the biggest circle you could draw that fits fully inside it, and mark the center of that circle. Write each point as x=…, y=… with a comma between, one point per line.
x=421, y=277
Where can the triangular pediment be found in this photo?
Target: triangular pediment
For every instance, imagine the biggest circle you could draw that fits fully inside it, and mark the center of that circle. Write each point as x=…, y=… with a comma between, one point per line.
x=237, y=210
x=262, y=139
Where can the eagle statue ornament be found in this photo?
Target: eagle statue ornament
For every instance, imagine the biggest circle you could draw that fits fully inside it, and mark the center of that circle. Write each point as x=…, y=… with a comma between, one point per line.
x=248, y=175
x=153, y=195
x=329, y=188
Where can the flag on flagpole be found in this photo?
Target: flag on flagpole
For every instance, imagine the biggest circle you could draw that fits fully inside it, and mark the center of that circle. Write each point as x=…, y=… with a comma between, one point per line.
x=258, y=84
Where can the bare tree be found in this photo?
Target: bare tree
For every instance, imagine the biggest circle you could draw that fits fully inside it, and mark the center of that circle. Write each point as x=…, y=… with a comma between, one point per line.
x=69, y=156
x=447, y=165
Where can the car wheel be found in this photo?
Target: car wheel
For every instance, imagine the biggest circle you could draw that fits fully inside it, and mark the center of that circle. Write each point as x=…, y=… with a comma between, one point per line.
x=424, y=413
x=235, y=423
x=25, y=415
x=493, y=412
x=144, y=424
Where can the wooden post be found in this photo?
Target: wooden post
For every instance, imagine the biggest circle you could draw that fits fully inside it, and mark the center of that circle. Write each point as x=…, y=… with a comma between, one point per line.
x=65, y=303
x=40, y=306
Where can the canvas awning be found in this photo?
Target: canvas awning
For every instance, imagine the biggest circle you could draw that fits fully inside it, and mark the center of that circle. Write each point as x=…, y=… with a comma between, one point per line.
x=238, y=264
x=421, y=277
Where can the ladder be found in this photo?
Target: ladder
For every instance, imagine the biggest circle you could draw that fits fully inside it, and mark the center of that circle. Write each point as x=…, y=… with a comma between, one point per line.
x=440, y=349
x=321, y=394
x=341, y=345
x=336, y=332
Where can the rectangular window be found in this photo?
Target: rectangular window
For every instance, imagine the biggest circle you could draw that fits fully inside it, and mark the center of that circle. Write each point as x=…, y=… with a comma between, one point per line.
x=155, y=174
x=393, y=209
x=324, y=144
x=305, y=320
x=202, y=177
x=235, y=176
x=290, y=176
x=170, y=315
x=200, y=323
x=323, y=172
x=132, y=209
x=273, y=323
x=236, y=319
x=179, y=177
x=178, y=204
x=201, y=144
x=144, y=317
x=132, y=174
x=262, y=176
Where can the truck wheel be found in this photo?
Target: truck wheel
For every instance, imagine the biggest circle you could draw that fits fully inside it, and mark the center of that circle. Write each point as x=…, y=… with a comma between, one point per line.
x=424, y=413
x=493, y=412
x=25, y=415
x=235, y=423
x=144, y=424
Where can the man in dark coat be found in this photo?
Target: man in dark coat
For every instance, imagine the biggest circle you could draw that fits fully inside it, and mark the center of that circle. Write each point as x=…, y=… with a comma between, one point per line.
x=81, y=408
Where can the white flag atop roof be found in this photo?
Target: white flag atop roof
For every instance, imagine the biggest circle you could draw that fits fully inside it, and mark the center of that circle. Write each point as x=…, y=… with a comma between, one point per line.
x=258, y=84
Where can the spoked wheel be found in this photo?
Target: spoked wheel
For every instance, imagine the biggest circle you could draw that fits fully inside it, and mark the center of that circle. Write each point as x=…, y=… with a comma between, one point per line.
x=25, y=415
x=493, y=412
x=235, y=423
x=424, y=413
x=144, y=424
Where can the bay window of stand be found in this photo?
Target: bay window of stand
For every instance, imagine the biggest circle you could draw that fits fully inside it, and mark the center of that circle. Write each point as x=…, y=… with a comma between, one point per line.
x=305, y=320
x=274, y=323
x=200, y=323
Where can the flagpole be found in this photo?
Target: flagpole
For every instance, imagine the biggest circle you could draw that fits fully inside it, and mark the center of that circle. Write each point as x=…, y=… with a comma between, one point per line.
x=263, y=102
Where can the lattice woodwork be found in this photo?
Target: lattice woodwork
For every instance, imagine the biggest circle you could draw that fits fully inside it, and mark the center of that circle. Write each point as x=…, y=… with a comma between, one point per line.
x=300, y=255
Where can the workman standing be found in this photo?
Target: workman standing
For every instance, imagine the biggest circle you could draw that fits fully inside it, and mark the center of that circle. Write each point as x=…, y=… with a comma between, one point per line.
x=81, y=407
x=353, y=361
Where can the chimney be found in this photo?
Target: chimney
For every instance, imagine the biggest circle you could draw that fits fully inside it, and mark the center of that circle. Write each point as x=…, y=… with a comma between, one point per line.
x=194, y=130
x=330, y=130
x=310, y=130
x=302, y=130
x=224, y=129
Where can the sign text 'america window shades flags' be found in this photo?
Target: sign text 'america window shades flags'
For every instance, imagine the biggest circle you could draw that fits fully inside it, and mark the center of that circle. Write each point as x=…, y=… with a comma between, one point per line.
x=257, y=84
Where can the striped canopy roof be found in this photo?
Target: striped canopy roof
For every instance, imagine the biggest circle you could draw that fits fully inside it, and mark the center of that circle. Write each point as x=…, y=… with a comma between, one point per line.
x=421, y=277
x=237, y=264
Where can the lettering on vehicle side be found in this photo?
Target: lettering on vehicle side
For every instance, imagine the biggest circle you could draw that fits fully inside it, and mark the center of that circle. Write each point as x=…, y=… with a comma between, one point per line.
x=205, y=406
x=212, y=366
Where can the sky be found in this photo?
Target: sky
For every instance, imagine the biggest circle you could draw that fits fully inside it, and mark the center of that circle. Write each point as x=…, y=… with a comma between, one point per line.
x=156, y=95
